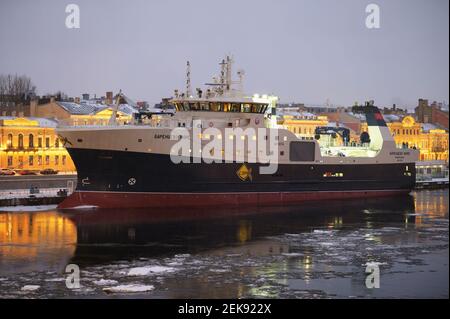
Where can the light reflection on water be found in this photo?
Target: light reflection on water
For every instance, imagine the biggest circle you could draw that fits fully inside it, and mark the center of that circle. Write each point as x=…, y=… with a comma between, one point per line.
x=312, y=250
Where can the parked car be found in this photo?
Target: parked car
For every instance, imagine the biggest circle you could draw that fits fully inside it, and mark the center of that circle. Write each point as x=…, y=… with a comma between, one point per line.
x=49, y=171
x=7, y=172
x=27, y=172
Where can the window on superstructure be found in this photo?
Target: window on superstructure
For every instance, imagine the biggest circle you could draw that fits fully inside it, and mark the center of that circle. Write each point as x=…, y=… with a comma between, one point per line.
x=195, y=106
x=246, y=108
x=204, y=106
x=256, y=108
x=214, y=106
x=235, y=107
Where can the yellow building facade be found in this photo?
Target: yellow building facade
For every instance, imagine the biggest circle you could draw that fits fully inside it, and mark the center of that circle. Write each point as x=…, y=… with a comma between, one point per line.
x=32, y=144
x=433, y=144
x=100, y=118
x=305, y=126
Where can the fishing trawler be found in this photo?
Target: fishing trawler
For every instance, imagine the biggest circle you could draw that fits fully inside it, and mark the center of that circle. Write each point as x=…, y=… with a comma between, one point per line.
x=202, y=156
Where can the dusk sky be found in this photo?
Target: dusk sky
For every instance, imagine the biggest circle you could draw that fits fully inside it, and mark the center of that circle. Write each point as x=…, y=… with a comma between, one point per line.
x=302, y=51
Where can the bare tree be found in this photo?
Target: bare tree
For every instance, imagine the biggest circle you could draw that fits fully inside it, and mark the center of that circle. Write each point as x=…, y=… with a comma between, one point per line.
x=15, y=89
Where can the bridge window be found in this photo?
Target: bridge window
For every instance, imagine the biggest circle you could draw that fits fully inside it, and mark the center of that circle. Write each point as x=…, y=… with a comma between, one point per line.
x=222, y=107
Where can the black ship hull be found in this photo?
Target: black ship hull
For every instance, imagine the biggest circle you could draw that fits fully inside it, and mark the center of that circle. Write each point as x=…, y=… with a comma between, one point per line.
x=131, y=179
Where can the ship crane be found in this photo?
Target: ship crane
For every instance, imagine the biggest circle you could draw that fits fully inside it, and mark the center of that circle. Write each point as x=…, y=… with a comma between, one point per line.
x=115, y=109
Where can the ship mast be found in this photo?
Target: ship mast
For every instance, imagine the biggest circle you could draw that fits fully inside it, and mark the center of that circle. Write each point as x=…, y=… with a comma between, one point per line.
x=188, y=80
x=112, y=119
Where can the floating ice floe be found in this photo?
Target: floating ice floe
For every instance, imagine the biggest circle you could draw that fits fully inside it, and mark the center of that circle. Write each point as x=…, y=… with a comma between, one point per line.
x=219, y=270
x=105, y=282
x=182, y=255
x=30, y=287
x=175, y=263
x=129, y=288
x=292, y=254
x=143, y=271
x=55, y=279
x=321, y=231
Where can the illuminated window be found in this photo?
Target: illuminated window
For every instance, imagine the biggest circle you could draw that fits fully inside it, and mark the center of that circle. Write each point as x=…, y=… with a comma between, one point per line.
x=30, y=160
x=20, y=141
x=10, y=140
x=56, y=159
x=10, y=161
x=246, y=108
x=47, y=160
x=39, y=160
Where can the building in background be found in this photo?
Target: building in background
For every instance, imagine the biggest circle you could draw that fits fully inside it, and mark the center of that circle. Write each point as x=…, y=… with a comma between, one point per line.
x=436, y=113
x=32, y=144
x=83, y=113
x=431, y=140
x=302, y=123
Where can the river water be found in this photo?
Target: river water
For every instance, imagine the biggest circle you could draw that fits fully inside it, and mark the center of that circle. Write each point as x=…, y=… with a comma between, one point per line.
x=316, y=250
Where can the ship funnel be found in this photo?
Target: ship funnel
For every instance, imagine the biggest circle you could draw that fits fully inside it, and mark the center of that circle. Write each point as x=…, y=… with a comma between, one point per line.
x=377, y=128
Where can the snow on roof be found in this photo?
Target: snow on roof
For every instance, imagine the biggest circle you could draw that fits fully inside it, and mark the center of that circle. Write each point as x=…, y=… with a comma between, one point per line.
x=426, y=127
x=333, y=124
x=88, y=107
x=297, y=114
x=81, y=109
x=43, y=122
x=361, y=117
x=127, y=109
x=391, y=118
